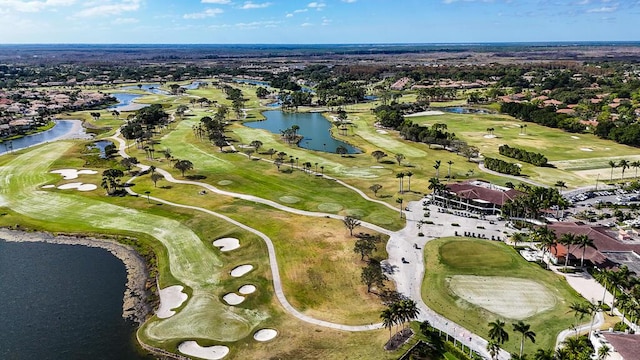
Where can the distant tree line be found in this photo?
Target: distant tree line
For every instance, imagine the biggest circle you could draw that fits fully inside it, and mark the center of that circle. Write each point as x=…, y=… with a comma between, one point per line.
x=628, y=134
x=536, y=159
x=545, y=116
x=501, y=166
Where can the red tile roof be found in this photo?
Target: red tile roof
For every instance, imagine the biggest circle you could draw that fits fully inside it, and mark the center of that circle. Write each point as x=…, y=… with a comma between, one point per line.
x=475, y=192
x=627, y=345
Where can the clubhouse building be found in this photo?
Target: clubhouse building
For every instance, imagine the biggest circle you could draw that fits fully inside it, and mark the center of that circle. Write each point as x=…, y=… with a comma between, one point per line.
x=476, y=196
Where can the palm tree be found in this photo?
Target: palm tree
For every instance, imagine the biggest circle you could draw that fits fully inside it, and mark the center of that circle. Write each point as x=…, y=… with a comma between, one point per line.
x=624, y=164
x=450, y=162
x=437, y=167
x=388, y=319
x=517, y=237
x=567, y=240
x=525, y=330
x=493, y=348
x=399, y=201
x=580, y=311
x=603, y=352
x=544, y=354
x=409, y=174
x=635, y=165
x=407, y=310
x=613, y=165
x=497, y=332
x=560, y=184
x=183, y=165
x=546, y=237
x=400, y=176
x=583, y=242
x=399, y=158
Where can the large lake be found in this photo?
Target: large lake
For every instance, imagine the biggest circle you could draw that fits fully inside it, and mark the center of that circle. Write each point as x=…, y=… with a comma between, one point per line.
x=313, y=126
x=62, y=127
x=63, y=302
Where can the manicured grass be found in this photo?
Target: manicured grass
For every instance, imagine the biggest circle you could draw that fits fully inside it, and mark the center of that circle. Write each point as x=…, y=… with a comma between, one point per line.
x=262, y=179
x=454, y=256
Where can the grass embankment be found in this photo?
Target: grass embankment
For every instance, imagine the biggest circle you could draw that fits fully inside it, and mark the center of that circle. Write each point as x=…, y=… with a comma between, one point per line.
x=448, y=257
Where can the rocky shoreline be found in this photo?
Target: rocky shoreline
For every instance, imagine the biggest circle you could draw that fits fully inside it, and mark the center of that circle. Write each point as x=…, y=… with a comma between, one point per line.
x=135, y=306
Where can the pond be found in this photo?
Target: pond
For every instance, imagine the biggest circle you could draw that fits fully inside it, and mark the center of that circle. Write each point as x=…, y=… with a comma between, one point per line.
x=150, y=88
x=252, y=82
x=313, y=127
x=100, y=145
x=62, y=128
x=464, y=110
x=125, y=102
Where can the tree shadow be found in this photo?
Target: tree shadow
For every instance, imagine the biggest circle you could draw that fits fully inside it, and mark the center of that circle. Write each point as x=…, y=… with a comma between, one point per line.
x=196, y=177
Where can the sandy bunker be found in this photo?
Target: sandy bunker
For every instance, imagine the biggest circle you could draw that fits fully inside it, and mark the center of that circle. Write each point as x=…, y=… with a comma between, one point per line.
x=241, y=270
x=170, y=298
x=265, y=334
x=511, y=298
x=227, y=244
x=192, y=348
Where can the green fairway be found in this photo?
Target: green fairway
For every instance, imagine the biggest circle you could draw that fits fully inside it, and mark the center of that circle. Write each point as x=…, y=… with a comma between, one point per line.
x=20, y=179
x=480, y=270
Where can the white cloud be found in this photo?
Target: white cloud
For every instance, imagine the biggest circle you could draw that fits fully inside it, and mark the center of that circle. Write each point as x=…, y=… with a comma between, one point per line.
x=316, y=5
x=300, y=11
x=108, y=8
x=219, y=2
x=257, y=24
x=289, y=15
x=125, y=21
x=251, y=5
x=349, y=1
x=306, y=24
x=604, y=9
x=33, y=6
x=203, y=14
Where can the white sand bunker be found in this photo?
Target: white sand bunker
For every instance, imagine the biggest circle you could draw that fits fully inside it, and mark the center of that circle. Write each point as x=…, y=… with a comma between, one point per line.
x=247, y=289
x=227, y=244
x=192, y=348
x=377, y=167
x=330, y=207
x=575, y=137
x=78, y=186
x=586, y=149
x=48, y=186
x=289, y=199
x=225, y=182
x=511, y=298
x=241, y=270
x=170, y=298
x=265, y=334
x=69, y=174
x=233, y=299
x=383, y=132
x=488, y=136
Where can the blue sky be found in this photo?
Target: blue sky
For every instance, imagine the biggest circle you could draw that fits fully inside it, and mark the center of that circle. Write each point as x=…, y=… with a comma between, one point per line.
x=323, y=21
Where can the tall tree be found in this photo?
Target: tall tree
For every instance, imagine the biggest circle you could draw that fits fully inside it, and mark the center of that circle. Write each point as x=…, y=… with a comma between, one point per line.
x=497, y=332
x=450, y=162
x=613, y=166
x=567, y=239
x=409, y=174
x=351, y=222
x=437, y=167
x=399, y=158
x=624, y=164
x=525, y=331
x=378, y=154
x=183, y=165
x=375, y=188
x=372, y=275
x=583, y=241
x=400, y=176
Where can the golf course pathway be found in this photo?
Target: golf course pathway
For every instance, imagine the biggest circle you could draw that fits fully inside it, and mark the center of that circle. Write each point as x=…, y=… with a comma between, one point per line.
x=407, y=275
x=277, y=284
